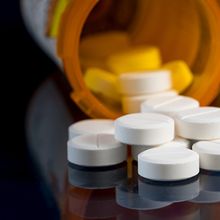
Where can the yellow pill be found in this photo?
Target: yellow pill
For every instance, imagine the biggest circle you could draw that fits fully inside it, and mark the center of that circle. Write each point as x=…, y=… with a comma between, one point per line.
x=103, y=44
x=181, y=74
x=134, y=59
x=102, y=82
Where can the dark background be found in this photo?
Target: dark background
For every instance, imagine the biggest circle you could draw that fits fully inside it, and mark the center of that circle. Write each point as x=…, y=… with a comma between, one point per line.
x=24, y=67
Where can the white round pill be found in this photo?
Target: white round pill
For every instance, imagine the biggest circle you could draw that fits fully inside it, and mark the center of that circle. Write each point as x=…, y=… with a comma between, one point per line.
x=137, y=83
x=91, y=126
x=209, y=154
x=177, y=142
x=132, y=104
x=168, y=163
x=201, y=123
x=96, y=150
x=144, y=129
x=169, y=104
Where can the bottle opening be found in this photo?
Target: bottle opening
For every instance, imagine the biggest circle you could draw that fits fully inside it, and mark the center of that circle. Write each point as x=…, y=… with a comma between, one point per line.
x=185, y=30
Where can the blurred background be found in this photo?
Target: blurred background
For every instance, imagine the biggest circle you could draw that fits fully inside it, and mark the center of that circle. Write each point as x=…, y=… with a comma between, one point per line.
x=22, y=193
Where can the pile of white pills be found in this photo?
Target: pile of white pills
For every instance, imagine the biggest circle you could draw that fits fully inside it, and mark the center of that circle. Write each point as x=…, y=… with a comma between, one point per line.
x=160, y=134
x=137, y=87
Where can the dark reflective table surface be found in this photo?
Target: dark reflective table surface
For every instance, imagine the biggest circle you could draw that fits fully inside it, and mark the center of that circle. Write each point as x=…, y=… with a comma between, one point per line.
x=108, y=193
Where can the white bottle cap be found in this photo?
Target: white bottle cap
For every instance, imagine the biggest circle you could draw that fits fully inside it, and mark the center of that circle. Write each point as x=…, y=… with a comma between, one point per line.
x=96, y=150
x=169, y=104
x=152, y=81
x=91, y=126
x=144, y=129
x=177, y=142
x=168, y=163
x=132, y=104
x=199, y=123
x=209, y=154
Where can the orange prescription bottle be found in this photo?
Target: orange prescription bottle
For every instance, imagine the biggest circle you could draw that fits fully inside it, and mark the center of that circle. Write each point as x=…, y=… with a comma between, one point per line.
x=186, y=30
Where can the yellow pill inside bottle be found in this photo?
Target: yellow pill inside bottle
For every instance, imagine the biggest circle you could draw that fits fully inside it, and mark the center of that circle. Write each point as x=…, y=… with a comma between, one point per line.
x=134, y=59
x=182, y=30
x=181, y=74
x=102, y=83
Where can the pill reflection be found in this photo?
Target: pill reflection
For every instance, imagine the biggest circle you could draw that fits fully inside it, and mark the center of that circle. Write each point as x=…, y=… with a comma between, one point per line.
x=169, y=191
x=127, y=196
x=209, y=187
x=96, y=178
x=177, y=211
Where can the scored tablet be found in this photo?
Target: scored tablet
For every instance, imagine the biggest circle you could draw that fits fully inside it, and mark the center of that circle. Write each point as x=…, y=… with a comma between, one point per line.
x=169, y=104
x=95, y=150
x=91, y=126
x=144, y=129
x=201, y=123
x=177, y=142
x=132, y=104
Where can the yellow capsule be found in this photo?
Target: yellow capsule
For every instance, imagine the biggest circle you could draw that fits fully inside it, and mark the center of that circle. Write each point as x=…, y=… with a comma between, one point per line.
x=102, y=82
x=181, y=74
x=103, y=44
x=134, y=59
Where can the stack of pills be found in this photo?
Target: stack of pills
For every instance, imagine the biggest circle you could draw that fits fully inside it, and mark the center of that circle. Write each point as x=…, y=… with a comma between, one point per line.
x=160, y=143
x=160, y=155
x=122, y=73
x=92, y=144
x=160, y=125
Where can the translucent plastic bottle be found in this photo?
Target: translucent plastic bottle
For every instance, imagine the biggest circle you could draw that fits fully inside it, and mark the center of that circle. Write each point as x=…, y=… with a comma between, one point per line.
x=185, y=29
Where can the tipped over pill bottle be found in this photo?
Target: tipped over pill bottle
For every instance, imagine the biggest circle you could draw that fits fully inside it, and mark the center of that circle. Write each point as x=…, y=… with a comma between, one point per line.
x=82, y=34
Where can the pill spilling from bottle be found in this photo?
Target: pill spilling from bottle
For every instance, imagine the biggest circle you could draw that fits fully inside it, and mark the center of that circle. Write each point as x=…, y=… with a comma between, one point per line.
x=161, y=144
x=123, y=74
x=171, y=137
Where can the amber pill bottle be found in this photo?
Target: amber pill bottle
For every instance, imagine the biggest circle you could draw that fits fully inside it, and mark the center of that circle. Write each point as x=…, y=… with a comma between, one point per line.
x=185, y=29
